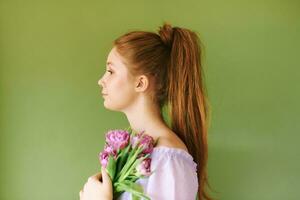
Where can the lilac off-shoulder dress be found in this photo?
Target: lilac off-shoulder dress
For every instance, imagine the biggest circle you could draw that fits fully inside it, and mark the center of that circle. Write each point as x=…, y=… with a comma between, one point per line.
x=174, y=176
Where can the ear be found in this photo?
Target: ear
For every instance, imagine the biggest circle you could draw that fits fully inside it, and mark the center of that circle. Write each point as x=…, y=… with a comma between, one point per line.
x=142, y=83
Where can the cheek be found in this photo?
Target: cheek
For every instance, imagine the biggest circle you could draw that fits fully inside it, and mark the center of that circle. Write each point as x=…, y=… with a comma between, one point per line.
x=125, y=91
x=121, y=92
x=120, y=86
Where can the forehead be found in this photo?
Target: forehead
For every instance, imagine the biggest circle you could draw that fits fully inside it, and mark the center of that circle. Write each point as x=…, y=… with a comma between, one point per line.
x=114, y=59
x=116, y=62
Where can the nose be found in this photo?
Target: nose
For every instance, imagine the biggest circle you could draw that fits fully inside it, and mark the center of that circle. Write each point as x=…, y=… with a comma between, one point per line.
x=100, y=82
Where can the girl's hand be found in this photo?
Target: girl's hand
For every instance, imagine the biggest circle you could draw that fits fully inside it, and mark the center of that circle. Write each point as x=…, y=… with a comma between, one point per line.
x=94, y=189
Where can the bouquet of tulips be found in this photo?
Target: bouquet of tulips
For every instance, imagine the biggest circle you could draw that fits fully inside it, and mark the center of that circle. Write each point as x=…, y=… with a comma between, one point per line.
x=126, y=158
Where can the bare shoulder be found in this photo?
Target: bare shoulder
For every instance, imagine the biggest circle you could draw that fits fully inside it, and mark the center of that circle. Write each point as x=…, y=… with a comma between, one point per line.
x=170, y=139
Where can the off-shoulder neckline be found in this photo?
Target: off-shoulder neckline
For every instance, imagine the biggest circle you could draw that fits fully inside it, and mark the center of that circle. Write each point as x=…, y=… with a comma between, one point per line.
x=173, y=150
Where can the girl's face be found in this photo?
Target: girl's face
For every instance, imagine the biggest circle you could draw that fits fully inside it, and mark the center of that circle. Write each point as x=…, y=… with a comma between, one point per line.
x=117, y=84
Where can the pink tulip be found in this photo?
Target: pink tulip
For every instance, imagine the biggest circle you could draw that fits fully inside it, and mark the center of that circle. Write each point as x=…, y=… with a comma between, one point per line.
x=117, y=139
x=147, y=143
x=103, y=158
x=134, y=140
x=144, y=141
x=144, y=167
x=104, y=155
x=110, y=150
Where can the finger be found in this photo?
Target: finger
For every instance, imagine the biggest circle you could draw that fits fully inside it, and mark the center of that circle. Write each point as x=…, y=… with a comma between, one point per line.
x=105, y=176
x=90, y=178
x=97, y=176
x=85, y=186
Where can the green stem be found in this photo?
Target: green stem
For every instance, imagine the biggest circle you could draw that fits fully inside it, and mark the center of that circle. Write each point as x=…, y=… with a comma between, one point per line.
x=129, y=189
x=128, y=164
x=129, y=171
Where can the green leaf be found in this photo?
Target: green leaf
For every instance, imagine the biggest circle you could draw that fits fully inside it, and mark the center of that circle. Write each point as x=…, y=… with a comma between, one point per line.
x=133, y=188
x=123, y=158
x=111, y=167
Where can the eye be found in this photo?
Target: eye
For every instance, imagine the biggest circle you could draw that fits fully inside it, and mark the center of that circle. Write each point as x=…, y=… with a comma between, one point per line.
x=109, y=71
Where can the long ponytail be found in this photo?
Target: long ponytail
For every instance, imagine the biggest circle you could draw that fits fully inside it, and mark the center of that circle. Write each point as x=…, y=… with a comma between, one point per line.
x=187, y=96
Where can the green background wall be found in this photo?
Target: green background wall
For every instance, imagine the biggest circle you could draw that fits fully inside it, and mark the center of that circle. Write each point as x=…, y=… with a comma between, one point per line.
x=52, y=119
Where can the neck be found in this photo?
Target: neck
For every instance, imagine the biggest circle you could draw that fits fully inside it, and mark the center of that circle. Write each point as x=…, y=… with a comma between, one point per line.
x=145, y=116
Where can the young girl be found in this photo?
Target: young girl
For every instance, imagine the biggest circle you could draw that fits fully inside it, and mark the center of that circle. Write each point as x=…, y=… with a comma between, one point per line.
x=145, y=72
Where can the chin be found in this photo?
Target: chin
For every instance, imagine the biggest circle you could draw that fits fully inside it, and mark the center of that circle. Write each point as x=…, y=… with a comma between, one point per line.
x=117, y=105
x=109, y=107
x=105, y=105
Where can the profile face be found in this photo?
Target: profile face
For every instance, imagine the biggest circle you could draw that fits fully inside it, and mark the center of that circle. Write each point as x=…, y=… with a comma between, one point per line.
x=117, y=84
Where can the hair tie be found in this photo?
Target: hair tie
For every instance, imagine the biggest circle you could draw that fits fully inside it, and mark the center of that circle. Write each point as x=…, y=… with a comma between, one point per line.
x=166, y=34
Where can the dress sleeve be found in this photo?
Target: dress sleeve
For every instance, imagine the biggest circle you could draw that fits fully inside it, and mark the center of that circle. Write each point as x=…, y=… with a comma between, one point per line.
x=174, y=178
